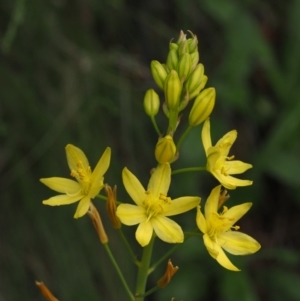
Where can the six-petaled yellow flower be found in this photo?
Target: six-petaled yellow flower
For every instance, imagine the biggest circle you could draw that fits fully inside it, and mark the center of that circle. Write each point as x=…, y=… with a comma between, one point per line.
x=219, y=164
x=88, y=183
x=220, y=233
x=153, y=206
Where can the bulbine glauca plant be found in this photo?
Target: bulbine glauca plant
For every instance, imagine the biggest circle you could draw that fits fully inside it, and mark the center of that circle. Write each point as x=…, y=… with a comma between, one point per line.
x=182, y=82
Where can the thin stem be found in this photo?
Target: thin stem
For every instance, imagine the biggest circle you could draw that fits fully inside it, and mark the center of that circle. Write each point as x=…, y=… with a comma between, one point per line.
x=155, y=125
x=151, y=291
x=183, y=136
x=107, y=249
x=144, y=270
x=188, y=169
x=134, y=259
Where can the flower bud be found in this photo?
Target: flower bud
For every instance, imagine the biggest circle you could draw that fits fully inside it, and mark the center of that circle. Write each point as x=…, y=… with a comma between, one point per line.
x=181, y=38
x=165, y=150
x=194, y=59
x=183, y=48
x=193, y=43
x=173, y=46
x=202, y=107
x=151, y=102
x=172, y=90
x=200, y=87
x=159, y=73
x=172, y=59
x=184, y=66
x=195, y=79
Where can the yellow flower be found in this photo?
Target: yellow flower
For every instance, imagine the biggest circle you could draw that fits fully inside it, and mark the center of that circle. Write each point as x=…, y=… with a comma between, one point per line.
x=217, y=230
x=218, y=163
x=153, y=206
x=88, y=183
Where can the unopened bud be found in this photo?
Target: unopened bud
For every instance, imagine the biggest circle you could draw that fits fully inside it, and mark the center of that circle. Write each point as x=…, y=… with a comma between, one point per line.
x=97, y=222
x=181, y=38
x=151, y=102
x=172, y=90
x=172, y=59
x=159, y=73
x=193, y=43
x=202, y=107
x=173, y=46
x=183, y=48
x=184, y=66
x=111, y=206
x=194, y=59
x=166, y=278
x=195, y=79
x=200, y=87
x=165, y=150
x=45, y=291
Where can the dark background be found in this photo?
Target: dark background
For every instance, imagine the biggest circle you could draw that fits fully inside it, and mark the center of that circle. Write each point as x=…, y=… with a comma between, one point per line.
x=76, y=72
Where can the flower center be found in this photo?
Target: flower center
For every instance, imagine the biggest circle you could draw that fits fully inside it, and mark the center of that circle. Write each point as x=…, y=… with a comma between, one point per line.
x=155, y=205
x=218, y=223
x=83, y=175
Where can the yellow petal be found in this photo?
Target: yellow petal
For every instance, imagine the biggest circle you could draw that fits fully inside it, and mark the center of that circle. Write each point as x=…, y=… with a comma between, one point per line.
x=143, y=233
x=74, y=156
x=217, y=253
x=211, y=205
x=63, y=199
x=205, y=135
x=101, y=168
x=63, y=185
x=201, y=221
x=167, y=230
x=131, y=214
x=238, y=243
x=160, y=180
x=236, y=167
x=181, y=205
x=133, y=187
x=82, y=207
x=230, y=182
x=225, y=143
x=235, y=213
x=96, y=188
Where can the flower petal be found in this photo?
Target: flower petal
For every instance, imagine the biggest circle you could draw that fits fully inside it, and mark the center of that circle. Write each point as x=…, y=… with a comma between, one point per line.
x=130, y=214
x=74, y=156
x=83, y=207
x=217, y=253
x=205, y=135
x=101, y=168
x=63, y=199
x=167, y=230
x=181, y=205
x=133, y=187
x=211, y=205
x=143, y=233
x=160, y=180
x=236, y=212
x=201, y=221
x=63, y=185
x=230, y=182
x=225, y=143
x=236, y=167
x=238, y=243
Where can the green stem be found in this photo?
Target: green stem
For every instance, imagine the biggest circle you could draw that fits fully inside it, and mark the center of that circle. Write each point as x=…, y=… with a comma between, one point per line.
x=151, y=291
x=188, y=169
x=128, y=247
x=173, y=119
x=144, y=270
x=107, y=249
x=155, y=125
x=183, y=137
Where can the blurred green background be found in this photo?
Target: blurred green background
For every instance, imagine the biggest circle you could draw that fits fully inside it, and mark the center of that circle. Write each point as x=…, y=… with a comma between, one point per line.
x=76, y=72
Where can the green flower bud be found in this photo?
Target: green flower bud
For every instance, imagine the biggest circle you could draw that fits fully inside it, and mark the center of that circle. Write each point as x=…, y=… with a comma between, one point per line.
x=202, y=107
x=184, y=66
x=165, y=150
x=194, y=59
x=172, y=90
x=193, y=43
x=200, y=87
x=173, y=46
x=172, y=59
x=195, y=79
x=181, y=38
x=183, y=48
x=159, y=73
x=151, y=102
